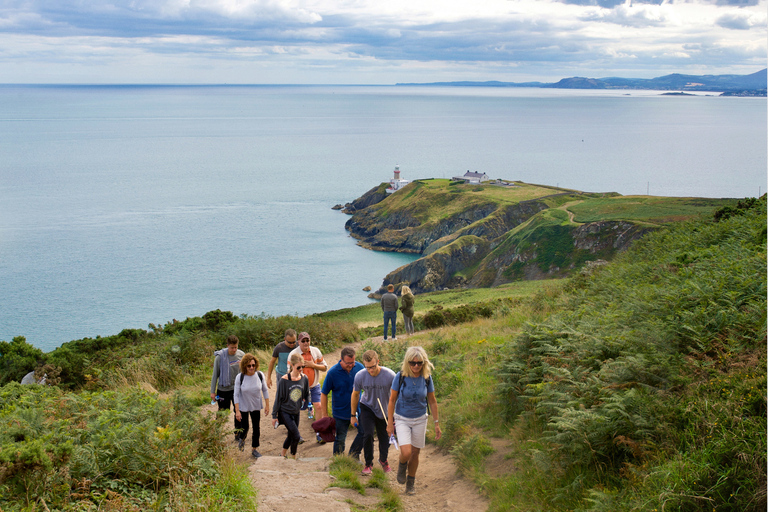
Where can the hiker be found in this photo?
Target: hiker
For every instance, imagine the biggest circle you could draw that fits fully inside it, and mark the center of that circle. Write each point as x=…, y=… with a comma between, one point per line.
x=406, y=307
x=340, y=380
x=375, y=384
x=292, y=390
x=280, y=356
x=313, y=365
x=226, y=366
x=389, y=307
x=412, y=397
x=250, y=387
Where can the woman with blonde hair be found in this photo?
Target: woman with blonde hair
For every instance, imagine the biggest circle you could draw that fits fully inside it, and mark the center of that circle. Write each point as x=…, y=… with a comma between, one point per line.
x=250, y=387
x=292, y=392
x=406, y=306
x=411, y=399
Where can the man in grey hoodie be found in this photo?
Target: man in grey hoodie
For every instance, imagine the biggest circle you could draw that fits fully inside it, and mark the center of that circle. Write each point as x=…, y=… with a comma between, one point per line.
x=389, y=306
x=226, y=366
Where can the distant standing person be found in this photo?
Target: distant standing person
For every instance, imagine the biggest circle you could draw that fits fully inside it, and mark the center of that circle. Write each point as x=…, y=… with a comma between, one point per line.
x=280, y=356
x=292, y=390
x=250, y=387
x=406, y=306
x=313, y=365
x=340, y=381
x=375, y=384
x=226, y=366
x=412, y=390
x=389, y=307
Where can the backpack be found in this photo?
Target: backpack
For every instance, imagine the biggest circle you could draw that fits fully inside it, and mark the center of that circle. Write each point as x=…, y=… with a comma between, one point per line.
x=242, y=376
x=400, y=388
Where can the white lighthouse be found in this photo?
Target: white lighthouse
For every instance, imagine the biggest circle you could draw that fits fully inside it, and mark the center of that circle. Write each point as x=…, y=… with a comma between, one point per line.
x=396, y=183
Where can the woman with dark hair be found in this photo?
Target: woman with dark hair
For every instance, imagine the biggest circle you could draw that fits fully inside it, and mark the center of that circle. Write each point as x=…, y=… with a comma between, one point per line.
x=412, y=396
x=250, y=387
x=292, y=391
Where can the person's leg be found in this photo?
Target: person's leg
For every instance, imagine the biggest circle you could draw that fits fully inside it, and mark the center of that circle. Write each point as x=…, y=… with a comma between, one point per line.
x=241, y=427
x=381, y=432
x=367, y=419
x=296, y=436
x=256, y=435
x=341, y=436
x=386, y=320
x=394, y=325
x=357, y=443
x=225, y=398
x=408, y=323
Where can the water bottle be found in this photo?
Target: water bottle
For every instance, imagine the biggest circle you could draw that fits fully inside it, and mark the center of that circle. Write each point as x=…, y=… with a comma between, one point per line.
x=310, y=411
x=355, y=420
x=213, y=402
x=393, y=441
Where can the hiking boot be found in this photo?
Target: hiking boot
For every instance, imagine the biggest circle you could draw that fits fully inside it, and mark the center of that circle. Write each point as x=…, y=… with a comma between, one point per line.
x=255, y=453
x=241, y=443
x=409, y=484
x=385, y=466
x=301, y=440
x=402, y=468
x=320, y=440
x=368, y=470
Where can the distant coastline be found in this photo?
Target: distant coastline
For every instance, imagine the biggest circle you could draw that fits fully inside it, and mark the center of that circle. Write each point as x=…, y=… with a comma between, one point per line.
x=728, y=85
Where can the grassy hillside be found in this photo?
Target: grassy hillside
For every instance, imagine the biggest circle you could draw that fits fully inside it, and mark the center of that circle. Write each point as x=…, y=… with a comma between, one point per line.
x=636, y=386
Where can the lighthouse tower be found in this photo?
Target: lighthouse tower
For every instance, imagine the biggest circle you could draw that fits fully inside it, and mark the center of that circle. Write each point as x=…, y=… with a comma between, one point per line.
x=396, y=183
x=397, y=172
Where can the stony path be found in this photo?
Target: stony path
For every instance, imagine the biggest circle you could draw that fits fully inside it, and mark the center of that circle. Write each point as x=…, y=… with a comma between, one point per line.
x=287, y=485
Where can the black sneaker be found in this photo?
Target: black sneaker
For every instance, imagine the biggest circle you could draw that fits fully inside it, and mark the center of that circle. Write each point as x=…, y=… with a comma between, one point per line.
x=241, y=444
x=255, y=453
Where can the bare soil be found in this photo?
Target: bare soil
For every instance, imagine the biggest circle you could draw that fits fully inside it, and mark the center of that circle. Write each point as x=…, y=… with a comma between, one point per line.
x=287, y=485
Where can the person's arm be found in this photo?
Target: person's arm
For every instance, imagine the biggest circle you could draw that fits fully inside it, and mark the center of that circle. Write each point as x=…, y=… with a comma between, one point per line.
x=276, y=406
x=324, y=404
x=391, y=412
x=214, y=377
x=269, y=372
x=433, y=408
x=265, y=394
x=353, y=402
x=236, y=399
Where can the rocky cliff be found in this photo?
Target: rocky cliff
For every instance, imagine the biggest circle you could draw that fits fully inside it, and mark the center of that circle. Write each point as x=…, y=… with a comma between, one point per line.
x=478, y=236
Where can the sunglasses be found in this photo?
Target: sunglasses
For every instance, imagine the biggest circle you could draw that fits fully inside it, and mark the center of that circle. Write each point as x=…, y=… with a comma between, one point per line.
x=250, y=366
x=415, y=363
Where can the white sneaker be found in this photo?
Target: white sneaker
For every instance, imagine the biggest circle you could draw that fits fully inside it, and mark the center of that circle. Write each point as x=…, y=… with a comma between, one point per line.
x=394, y=339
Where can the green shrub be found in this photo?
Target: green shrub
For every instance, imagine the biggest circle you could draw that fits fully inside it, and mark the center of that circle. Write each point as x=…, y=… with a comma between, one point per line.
x=17, y=358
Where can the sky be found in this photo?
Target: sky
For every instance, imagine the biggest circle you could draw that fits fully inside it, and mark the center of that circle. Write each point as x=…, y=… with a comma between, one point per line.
x=375, y=41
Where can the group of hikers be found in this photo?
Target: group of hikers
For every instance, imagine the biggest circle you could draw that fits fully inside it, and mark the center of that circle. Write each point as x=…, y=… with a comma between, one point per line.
x=392, y=406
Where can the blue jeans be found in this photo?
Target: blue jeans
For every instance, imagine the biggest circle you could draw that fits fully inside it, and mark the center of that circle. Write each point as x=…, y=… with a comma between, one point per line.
x=339, y=444
x=390, y=316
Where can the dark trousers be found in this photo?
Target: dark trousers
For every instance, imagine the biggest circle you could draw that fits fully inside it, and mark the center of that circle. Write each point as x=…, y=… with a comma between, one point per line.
x=243, y=430
x=372, y=423
x=224, y=402
x=339, y=444
x=291, y=422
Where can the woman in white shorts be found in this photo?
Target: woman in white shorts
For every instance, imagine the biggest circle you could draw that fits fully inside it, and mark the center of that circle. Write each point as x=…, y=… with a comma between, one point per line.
x=412, y=396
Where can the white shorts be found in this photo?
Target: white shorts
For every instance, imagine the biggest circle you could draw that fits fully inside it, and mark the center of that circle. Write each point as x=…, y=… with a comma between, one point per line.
x=412, y=431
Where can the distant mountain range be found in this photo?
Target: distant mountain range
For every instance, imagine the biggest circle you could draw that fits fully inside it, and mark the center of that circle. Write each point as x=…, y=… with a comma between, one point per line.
x=746, y=85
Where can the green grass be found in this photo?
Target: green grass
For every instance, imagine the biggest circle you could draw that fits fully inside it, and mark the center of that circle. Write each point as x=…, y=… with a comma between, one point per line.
x=346, y=473
x=656, y=210
x=370, y=314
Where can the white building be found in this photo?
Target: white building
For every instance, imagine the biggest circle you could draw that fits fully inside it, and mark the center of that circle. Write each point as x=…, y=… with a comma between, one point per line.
x=472, y=177
x=396, y=183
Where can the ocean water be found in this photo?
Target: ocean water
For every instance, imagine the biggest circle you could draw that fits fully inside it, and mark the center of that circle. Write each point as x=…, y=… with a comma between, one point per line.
x=121, y=206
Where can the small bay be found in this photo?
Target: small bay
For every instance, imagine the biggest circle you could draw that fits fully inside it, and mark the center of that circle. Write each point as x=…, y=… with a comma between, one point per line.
x=125, y=205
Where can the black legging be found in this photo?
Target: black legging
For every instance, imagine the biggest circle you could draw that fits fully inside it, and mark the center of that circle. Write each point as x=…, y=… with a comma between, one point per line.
x=291, y=422
x=372, y=423
x=256, y=420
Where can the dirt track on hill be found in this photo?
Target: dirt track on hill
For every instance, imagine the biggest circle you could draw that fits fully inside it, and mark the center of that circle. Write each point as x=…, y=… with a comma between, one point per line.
x=287, y=485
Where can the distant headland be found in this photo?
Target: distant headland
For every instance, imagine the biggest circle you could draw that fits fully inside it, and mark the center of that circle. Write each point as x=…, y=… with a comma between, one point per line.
x=728, y=85
x=472, y=231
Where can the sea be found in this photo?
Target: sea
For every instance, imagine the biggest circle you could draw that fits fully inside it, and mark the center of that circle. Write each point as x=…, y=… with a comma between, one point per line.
x=122, y=206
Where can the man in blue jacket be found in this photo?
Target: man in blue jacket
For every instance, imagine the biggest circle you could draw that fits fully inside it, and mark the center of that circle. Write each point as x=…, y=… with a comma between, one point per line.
x=339, y=382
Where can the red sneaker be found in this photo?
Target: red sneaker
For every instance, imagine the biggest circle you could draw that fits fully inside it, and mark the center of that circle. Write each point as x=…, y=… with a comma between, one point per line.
x=385, y=466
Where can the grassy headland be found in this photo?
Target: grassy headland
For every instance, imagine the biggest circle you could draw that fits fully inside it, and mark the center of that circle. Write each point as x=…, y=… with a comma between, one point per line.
x=637, y=385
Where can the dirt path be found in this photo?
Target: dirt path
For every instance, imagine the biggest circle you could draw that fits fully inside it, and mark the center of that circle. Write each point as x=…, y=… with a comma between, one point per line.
x=287, y=485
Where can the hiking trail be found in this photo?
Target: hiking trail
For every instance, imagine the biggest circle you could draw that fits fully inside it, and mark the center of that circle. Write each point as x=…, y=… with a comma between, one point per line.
x=287, y=485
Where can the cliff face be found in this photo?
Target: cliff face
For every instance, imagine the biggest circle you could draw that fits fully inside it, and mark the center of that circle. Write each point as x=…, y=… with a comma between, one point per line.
x=480, y=235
